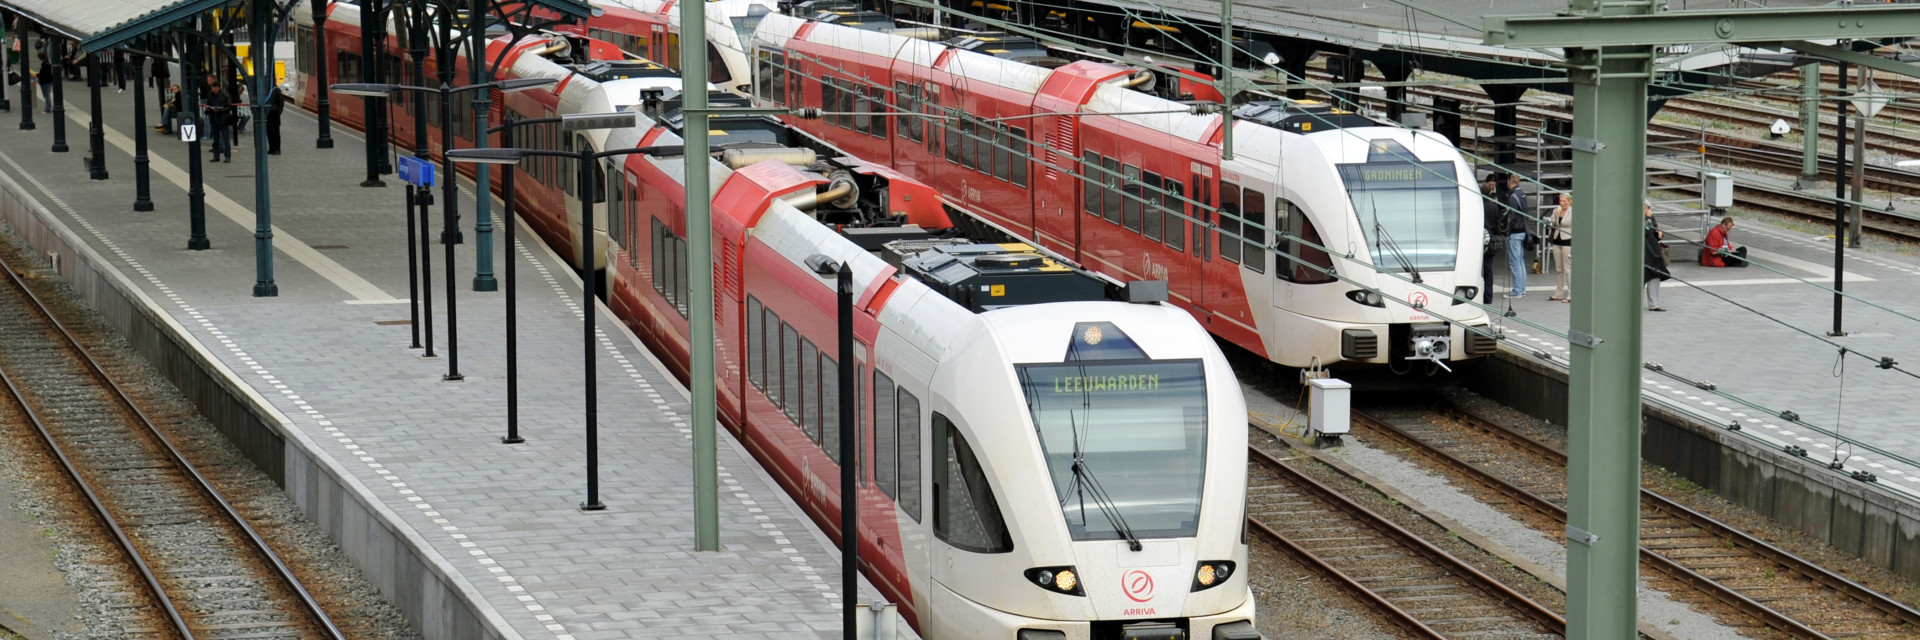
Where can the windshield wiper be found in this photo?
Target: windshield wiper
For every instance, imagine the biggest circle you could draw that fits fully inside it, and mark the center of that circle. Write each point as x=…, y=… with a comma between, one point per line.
x=1085, y=484
x=1394, y=248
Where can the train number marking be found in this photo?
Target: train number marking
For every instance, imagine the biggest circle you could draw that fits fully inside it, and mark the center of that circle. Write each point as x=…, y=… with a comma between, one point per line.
x=1137, y=585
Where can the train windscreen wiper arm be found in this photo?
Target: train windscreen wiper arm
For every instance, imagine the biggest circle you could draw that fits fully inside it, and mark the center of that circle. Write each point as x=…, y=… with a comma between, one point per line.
x=1083, y=478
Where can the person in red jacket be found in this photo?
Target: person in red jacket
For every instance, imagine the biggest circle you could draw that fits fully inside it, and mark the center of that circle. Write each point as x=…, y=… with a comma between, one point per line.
x=1720, y=251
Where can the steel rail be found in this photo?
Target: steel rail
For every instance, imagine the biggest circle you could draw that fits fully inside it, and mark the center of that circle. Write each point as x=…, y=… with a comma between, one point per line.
x=1399, y=615
x=257, y=544
x=1784, y=558
x=1767, y=615
x=1553, y=621
x=99, y=508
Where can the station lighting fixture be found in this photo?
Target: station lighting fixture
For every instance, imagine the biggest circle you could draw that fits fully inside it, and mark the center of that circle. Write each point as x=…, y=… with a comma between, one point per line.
x=1056, y=579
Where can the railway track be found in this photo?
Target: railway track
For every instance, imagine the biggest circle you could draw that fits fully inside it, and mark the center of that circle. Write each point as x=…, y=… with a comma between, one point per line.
x=1768, y=587
x=206, y=574
x=1421, y=587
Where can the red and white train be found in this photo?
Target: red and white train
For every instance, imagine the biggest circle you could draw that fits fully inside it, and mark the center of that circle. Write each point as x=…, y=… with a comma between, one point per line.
x=1381, y=198
x=1039, y=459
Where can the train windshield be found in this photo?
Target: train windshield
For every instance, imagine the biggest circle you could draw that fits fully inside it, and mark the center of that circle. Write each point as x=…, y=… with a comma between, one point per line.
x=1125, y=442
x=1408, y=211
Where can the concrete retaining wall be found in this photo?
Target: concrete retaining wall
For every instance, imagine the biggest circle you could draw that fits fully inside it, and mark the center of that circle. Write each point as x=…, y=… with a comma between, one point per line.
x=1864, y=519
x=440, y=602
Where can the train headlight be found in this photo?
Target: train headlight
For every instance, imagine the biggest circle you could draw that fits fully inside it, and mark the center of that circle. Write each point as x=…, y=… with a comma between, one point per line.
x=1367, y=297
x=1211, y=573
x=1056, y=579
x=1465, y=293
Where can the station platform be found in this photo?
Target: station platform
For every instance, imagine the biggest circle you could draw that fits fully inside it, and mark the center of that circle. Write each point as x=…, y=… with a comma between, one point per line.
x=1762, y=361
x=499, y=523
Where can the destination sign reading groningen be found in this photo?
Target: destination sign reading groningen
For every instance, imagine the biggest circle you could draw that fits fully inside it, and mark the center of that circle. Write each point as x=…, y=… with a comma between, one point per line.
x=1398, y=175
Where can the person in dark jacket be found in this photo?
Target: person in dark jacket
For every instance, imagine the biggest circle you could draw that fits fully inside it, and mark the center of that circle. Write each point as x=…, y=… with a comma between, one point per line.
x=276, y=103
x=45, y=77
x=1655, y=260
x=1514, y=212
x=1489, y=247
x=220, y=120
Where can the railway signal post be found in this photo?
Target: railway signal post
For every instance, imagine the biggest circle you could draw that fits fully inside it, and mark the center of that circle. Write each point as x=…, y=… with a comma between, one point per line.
x=1610, y=56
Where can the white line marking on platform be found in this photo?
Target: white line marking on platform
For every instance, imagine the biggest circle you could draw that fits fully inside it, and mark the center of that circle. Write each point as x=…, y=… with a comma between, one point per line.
x=340, y=276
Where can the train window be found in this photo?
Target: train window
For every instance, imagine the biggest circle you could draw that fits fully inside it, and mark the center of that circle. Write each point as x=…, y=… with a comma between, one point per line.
x=1176, y=229
x=885, y=424
x=349, y=66
x=968, y=145
x=1256, y=234
x=830, y=98
x=790, y=372
x=1003, y=153
x=1130, y=205
x=1017, y=140
x=796, y=89
x=903, y=95
x=845, y=97
x=717, y=71
x=659, y=256
x=1110, y=195
x=859, y=421
x=1230, y=221
x=633, y=213
x=1150, y=187
x=908, y=444
x=771, y=359
x=862, y=109
x=810, y=390
x=1301, y=227
x=616, y=215
x=830, y=407
x=965, y=513
x=756, y=346
x=1203, y=193
x=766, y=72
x=599, y=190
x=1090, y=182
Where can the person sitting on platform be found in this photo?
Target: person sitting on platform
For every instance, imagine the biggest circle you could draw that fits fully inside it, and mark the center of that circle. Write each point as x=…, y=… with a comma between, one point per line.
x=1719, y=251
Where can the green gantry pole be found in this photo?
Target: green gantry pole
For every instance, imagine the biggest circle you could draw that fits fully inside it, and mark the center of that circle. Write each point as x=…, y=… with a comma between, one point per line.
x=263, y=286
x=1603, y=420
x=1227, y=80
x=693, y=87
x=483, y=279
x=1809, y=126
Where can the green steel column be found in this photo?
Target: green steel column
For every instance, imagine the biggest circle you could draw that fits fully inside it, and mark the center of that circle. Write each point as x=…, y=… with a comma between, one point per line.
x=1603, y=468
x=262, y=50
x=1809, y=125
x=693, y=78
x=483, y=279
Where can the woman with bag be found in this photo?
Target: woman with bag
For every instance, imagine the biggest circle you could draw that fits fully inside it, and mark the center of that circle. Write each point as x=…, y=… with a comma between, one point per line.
x=1561, y=237
x=1655, y=261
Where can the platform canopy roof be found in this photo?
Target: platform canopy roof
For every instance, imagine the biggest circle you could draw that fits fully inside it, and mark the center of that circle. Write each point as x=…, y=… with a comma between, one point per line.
x=105, y=24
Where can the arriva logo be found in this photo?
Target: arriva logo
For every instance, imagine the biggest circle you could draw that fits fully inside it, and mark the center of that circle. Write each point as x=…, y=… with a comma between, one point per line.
x=1138, y=585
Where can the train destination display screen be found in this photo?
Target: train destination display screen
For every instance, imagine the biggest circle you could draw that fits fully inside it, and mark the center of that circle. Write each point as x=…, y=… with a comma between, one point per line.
x=1135, y=428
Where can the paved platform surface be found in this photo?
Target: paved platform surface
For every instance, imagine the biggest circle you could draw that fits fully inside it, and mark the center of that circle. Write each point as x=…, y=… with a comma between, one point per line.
x=1764, y=362
x=328, y=353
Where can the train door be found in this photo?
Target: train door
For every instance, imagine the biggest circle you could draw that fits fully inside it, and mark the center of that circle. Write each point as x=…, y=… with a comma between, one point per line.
x=1204, y=190
x=658, y=43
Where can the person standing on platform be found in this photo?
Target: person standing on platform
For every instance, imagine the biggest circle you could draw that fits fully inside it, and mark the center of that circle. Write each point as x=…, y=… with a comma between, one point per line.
x=1561, y=239
x=1493, y=227
x=120, y=71
x=1516, y=228
x=1655, y=261
x=44, y=78
x=276, y=103
x=1720, y=251
x=219, y=120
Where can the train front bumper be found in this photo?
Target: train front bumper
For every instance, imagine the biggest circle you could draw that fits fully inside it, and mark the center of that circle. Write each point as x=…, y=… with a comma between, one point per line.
x=958, y=618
